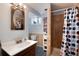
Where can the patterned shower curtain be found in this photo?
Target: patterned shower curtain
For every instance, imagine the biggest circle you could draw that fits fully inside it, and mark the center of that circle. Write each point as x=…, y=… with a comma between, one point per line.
x=70, y=41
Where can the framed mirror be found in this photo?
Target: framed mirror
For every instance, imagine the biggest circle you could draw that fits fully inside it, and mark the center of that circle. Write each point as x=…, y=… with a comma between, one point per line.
x=17, y=17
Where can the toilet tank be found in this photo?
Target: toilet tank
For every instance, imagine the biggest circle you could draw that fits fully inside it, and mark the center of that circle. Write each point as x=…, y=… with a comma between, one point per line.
x=33, y=37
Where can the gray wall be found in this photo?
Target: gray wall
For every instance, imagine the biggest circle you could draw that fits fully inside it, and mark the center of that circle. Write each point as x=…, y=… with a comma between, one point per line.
x=5, y=24
x=38, y=28
x=40, y=7
x=34, y=28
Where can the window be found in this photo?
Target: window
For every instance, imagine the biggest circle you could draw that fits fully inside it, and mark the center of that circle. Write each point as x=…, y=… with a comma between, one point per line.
x=36, y=20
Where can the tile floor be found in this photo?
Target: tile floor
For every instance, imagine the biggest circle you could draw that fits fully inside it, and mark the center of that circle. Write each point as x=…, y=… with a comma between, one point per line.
x=39, y=51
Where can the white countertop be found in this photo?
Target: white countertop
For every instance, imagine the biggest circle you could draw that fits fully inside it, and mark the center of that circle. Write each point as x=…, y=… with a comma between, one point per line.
x=16, y=48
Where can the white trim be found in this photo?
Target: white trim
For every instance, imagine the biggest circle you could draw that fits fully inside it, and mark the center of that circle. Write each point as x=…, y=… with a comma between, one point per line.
x=57, y=13
x=57, y=10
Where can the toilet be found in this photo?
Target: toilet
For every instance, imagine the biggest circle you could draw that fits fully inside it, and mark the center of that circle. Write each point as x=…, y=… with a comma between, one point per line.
x=33, y=37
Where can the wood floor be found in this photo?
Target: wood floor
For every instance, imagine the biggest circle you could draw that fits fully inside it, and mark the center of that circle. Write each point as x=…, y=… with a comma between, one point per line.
x=56, y=52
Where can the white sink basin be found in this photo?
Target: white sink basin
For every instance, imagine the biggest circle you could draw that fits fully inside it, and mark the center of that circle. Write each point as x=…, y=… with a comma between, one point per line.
x=13, y=49
x=23, y=44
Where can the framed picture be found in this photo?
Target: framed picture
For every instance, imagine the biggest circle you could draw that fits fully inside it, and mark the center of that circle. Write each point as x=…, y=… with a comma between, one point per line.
x=17, y=17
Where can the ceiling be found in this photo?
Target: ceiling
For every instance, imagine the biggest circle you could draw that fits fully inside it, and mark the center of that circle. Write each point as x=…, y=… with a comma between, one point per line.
x=40, y=7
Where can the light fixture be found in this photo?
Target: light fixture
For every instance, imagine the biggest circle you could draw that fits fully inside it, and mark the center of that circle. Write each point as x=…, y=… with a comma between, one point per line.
x=24, y=6
x=18, y=5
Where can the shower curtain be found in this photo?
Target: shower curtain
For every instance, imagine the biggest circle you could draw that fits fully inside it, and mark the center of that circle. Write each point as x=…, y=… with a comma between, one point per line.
x=70, y=41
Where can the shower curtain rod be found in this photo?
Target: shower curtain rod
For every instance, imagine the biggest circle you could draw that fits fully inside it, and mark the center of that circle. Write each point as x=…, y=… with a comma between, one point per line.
x=61, y=9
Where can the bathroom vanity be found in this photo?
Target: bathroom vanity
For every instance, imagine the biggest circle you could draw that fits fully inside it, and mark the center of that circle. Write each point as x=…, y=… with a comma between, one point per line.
x=26, y=48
